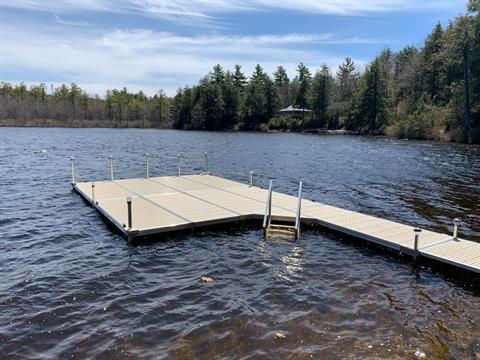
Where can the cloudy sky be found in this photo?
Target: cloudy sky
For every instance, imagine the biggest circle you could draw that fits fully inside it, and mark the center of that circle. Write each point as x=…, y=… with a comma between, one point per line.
x=166, y=44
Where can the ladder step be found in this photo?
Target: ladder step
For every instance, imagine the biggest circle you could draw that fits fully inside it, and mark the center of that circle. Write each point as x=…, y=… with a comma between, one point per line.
x=281, y=229
x=280, y=236
x=281, y=233
x=275, y=226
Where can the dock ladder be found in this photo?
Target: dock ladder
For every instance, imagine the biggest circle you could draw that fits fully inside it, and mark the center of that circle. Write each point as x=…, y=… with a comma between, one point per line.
x=281, y=230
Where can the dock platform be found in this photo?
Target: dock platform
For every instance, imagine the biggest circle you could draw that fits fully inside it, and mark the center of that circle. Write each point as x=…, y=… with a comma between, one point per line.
x=162, y=205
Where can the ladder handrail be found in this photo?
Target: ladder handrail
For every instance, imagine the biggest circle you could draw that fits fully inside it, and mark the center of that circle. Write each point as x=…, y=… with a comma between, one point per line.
x=268, y=207
x=299, y=210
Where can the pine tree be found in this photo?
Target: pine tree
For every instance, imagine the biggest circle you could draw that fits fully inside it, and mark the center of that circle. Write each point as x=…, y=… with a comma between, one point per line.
x=231, y=98
x=255, y=106
x=160, y=101
x=347, y=80
x=239, y=78
x=407, y=77
x=372, y=103
x=272, y=98
x=177, y=120
x=218, y=75
x=431, y=61
x=282, y=83
x=304, y=79
x=321, y=90
x=474, y=6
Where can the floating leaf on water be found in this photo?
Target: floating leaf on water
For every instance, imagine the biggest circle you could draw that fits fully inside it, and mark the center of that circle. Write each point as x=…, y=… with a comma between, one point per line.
x=206, y=279
x=420, y=354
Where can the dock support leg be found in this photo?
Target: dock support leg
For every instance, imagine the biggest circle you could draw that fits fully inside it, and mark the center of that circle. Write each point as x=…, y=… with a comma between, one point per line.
x=129, y=209
x=147, y=170
x=93, y=193
x=178, y=165
x=73, y=169
x=111, y=167
x=129, y=239
x=206, y=163
x=129, y=220
x=456, y=224
x=268, y=210
x=298, y=217
x=417, y=232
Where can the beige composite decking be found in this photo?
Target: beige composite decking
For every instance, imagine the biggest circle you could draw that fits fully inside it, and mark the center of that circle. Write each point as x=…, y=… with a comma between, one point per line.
x=166, y=204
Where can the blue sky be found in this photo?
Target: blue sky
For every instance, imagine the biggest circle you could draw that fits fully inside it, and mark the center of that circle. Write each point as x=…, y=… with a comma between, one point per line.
x=165, y=44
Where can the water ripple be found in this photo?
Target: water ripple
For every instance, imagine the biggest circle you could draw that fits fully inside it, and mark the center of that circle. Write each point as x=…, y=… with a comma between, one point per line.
x=73, y=288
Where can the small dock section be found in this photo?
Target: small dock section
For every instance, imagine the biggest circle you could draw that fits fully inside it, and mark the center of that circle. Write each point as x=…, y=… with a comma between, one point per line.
x=159, y=205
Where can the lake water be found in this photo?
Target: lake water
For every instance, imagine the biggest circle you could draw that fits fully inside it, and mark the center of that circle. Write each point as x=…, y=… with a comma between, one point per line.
x=72, y=288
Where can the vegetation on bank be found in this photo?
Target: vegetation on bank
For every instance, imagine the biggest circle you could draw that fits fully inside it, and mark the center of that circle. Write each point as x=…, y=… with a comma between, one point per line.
x=432, y=92
x=71, y=106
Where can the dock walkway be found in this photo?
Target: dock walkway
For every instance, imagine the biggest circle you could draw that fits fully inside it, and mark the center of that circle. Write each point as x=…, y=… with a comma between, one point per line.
x=172, y=203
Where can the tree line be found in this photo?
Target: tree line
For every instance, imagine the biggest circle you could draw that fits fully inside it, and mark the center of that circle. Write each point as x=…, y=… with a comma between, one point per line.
x=427, y=92
x=70, y=105
x=432, y=92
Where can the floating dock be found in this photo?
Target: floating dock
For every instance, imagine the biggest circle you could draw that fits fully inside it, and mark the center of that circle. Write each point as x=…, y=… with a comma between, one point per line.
x=159, y=205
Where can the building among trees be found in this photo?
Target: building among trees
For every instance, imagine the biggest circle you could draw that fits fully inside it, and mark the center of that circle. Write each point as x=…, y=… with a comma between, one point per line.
x=294, y=113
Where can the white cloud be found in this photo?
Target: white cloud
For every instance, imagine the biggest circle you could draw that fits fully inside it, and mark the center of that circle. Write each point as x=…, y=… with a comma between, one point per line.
x=70, y=22
x=205, y=10
x=149, y=60
x=72, y=49
x=147, y=39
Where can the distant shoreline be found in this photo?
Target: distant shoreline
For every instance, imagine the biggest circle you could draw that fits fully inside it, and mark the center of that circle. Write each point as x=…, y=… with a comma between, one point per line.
x=46, y=124
x=100, y=125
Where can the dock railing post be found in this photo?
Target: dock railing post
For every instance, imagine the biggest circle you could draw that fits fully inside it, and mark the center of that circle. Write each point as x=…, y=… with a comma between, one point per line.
x=251, y=178
x=270, y=207
x=299, y=211
x=456, y=224
x=206, y=163
x=147, y=170
x=178, y=164
x=129, y=210
x=111, y=167
x=417, y=232
x=72, y=159
x=93, y=193
x=268, y=210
